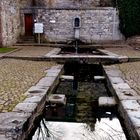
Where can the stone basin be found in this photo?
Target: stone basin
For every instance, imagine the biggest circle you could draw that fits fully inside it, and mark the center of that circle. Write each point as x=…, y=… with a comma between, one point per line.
x=57, y=99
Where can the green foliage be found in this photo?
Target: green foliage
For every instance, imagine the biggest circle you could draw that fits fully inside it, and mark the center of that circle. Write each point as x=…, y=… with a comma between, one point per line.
x=129, y=14
x=5, y=50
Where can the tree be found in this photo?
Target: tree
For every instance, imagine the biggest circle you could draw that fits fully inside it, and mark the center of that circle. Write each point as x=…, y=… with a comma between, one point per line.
x=129, y=14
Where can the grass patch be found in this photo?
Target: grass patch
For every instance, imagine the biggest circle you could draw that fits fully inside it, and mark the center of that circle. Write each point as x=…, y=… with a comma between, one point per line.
x=5, y=50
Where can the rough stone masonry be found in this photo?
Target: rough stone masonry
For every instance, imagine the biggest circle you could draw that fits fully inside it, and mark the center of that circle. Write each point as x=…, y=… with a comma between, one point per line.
x=99, y=20
x=97, y=25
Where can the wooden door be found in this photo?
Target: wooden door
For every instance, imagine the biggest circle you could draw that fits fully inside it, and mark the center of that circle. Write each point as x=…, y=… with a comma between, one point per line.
x=28, y=24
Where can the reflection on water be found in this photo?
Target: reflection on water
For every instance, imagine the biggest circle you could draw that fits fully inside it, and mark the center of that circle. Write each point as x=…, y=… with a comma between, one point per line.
x=80, y=117
x=104, y=130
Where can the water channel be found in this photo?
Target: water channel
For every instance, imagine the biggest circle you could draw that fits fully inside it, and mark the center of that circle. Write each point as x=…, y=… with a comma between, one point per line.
x=78, y=116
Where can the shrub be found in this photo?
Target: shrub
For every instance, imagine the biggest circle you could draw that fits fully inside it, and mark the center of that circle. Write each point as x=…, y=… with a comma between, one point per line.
x=129, y=14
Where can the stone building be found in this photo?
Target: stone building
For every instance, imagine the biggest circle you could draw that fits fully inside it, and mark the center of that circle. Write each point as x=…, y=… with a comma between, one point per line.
x=10, y=20
x=98, y=20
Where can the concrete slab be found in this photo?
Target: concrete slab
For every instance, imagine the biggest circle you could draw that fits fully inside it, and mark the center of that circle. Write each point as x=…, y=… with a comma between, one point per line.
x=57, y=99
x=36, y=91
x=108, y=52
x=99, y=78
x=46, y=82
x=116, y=80
x=67, y=77
x=52, y=52
x=107, y=101
x=34, y=99
x=122, y=86
x=25, y=107
x=113, y=73
x=123, y=59
x=3, y=137
x=134, y=116
x=127, y=94
x=131, y=105
x=13, y=117
x=52, y=74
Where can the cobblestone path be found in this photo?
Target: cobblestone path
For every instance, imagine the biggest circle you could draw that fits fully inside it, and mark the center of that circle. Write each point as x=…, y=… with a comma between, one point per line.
x=16, y=76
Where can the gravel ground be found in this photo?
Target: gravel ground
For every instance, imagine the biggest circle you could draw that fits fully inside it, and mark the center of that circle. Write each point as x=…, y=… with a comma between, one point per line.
x=16, y=76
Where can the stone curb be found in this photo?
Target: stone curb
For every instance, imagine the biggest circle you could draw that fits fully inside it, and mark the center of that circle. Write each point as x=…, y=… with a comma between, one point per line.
x=128, y=101
x=19, y=123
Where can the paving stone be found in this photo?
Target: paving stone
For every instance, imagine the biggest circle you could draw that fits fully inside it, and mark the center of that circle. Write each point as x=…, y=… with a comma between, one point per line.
x=56, y=67
x=37, y=91
x=11, y=123
x=53, y=52
x=114, y=73
x=116, y=80
x=123, y=59
x=10, y=115
x=127, y=94
x=47, y=81
x=121, y=86
x=52, y=74
x=131, y=105
x=107, y=101
x=34, y=99
x=134, y=116
x=25, y=107
x=31, y=51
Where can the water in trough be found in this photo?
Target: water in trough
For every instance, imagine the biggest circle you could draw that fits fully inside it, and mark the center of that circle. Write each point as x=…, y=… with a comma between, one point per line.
x=79, y=117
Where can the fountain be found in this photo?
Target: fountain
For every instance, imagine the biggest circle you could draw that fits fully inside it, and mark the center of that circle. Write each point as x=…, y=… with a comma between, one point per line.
x=79, y=116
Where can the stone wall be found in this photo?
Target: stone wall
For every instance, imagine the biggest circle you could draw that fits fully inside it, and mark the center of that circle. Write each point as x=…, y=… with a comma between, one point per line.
x=97, y=25
x=69, y=3
x=10, y=19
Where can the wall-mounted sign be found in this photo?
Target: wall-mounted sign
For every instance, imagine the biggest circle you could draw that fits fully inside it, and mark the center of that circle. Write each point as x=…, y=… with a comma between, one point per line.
x=38, y=28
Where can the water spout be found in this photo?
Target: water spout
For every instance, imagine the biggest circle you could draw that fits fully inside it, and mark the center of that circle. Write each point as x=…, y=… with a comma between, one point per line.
x=76, y=37
x=76, y=46
x=77, y=25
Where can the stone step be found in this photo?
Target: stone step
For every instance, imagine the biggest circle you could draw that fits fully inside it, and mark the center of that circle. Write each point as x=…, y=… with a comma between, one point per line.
x=107, y=101
x=26, y=39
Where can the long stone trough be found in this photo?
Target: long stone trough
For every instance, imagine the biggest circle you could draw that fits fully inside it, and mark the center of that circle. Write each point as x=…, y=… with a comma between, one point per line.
x=127, y=99
x=18, y=124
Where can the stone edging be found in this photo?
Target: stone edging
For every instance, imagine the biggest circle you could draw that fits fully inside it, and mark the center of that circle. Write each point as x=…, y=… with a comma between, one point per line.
x=128, y=101
x=16, y=125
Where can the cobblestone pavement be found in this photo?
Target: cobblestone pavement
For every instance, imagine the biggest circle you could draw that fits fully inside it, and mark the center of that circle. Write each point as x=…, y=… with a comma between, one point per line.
x=31, y=51
x=127, y=51
x=16, y=76
x=131, y=74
